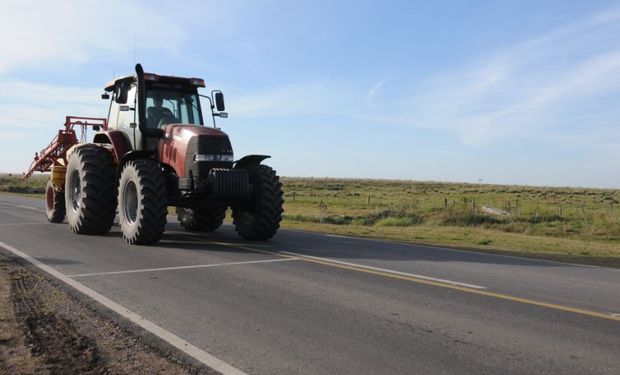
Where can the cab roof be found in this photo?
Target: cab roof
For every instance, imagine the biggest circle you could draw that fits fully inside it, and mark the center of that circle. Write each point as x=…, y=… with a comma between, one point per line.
x=196, y=82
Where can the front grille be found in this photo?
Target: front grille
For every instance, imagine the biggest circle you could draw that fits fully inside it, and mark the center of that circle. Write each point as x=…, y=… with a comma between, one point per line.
x=229, y=183
x=214, y=145
x=205, y=145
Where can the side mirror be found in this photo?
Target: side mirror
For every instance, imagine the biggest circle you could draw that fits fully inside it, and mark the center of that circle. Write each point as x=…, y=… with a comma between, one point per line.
x=105, y=96
x=219, y=101
x=121, y=93
x=96, y=128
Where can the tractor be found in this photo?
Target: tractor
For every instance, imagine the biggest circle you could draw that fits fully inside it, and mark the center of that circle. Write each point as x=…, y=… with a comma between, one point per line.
x=154, y=151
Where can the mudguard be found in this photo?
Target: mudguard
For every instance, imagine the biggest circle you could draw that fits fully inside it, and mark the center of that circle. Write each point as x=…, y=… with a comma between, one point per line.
x=119, y=141
x=250, y=160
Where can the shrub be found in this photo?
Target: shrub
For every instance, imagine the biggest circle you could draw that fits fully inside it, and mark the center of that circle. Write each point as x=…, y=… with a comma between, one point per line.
x=468, y=218
x=402, y=221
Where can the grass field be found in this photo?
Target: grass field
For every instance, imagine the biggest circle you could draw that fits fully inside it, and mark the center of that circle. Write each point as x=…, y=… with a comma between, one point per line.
x=13, y=183
x=578, y=225
x=567, y=224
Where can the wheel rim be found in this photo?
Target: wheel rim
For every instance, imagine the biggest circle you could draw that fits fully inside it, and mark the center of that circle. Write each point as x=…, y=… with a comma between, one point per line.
x=130, y=201
x=76, y=190
x=49, y=195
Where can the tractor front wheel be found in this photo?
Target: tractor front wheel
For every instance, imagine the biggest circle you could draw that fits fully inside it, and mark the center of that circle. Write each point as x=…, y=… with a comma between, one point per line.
x=259, y=218
x=142, y=202
x=54, y=203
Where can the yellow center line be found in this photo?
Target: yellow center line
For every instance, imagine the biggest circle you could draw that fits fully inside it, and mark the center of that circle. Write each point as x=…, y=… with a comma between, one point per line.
x=502, y=296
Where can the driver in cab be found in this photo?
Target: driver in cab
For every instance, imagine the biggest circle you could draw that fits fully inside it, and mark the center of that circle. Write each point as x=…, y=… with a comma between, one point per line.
x=159, y=115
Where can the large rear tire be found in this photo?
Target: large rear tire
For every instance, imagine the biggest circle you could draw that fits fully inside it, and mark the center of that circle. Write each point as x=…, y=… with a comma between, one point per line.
x=201, y=219
x=90, y=190
x=260, y=218
x=54, y=203
x=142, y=202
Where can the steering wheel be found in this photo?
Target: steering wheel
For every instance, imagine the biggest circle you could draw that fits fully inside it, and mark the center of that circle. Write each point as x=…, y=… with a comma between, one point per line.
x=166, y=119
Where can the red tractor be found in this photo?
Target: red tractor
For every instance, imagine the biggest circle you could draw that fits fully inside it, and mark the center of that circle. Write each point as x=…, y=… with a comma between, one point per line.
x=154, y=151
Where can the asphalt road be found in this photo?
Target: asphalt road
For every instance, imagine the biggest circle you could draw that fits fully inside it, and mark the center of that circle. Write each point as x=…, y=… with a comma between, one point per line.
x=307, y=303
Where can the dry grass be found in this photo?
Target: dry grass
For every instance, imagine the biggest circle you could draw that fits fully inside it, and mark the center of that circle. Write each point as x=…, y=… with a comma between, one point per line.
x=568, y=224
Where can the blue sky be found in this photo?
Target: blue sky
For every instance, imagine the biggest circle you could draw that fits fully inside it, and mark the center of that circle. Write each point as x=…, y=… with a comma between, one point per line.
x=522, y=92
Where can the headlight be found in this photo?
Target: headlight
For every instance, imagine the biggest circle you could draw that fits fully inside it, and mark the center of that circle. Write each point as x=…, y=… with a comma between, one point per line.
x=204, y=157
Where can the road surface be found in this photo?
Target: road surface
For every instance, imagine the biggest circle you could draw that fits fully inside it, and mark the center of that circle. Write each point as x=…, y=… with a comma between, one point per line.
x=306, y=303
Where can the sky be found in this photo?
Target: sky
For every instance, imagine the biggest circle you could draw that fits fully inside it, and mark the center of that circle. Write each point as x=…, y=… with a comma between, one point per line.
x=510, y=92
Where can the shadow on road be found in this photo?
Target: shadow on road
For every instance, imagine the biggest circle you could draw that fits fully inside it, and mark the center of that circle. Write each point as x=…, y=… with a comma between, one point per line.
x=348, y=248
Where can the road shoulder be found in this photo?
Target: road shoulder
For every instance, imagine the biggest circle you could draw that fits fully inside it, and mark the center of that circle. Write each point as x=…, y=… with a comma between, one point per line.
x=46, y=329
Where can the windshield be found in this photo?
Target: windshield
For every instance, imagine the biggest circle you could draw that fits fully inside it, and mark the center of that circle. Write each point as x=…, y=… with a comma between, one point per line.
x=170, y=106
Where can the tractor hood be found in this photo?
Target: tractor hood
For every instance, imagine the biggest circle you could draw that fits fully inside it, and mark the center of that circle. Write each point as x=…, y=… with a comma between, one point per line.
x=184, y=131
x=192, y=150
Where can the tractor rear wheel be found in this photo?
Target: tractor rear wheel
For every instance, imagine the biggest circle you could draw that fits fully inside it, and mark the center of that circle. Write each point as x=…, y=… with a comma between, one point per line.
x=54, y=203
x=260, y=218
x=201, y=219
x=90, y=190
x=142, y=202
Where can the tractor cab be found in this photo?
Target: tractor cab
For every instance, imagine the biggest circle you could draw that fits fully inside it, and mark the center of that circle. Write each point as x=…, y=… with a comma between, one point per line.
x=142, y=105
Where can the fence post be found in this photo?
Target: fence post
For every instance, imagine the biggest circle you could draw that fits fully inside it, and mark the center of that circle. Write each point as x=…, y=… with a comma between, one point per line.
x=323, y=211
x=517, y=213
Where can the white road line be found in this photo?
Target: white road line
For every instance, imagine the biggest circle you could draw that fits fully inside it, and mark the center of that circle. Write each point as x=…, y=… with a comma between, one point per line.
x=473, y=286
x=339, y=236
x=174, y=340
x=10, y=224
x=615, y=315
x=29, y=208
x=182, y=267
x=186, y=236
x=301, y=256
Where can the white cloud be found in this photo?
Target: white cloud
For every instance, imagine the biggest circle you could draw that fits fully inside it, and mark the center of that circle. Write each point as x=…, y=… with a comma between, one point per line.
x=39, y=110
x=62, y=33
x=294, y=99
x=374, y=90
x=31, y=114
x=518, y=90
x=514, y=92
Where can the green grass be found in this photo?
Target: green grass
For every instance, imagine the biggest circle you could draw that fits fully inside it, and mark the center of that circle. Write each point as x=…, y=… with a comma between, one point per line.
x=579, y=225
x=12, y=183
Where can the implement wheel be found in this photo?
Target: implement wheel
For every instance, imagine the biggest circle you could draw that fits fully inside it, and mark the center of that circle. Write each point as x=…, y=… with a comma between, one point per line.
x=54, y=203
x=90, y=190
x=142, y=202
x=259, y=219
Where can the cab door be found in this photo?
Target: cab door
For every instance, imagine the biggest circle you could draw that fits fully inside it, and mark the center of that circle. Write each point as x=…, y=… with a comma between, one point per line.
x=123, y=114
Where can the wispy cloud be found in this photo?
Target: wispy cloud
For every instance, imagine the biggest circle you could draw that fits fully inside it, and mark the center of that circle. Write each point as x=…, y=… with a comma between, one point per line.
x=374, y=90
x=300, y=99
x=40, y=109
x=279, y=101
x=517, y=91
x=66, y=32
x=520, y=89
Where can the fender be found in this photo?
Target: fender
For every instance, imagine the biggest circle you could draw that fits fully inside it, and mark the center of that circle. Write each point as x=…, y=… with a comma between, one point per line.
x=133, y=155
x=119, y=141
x=250, y=160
